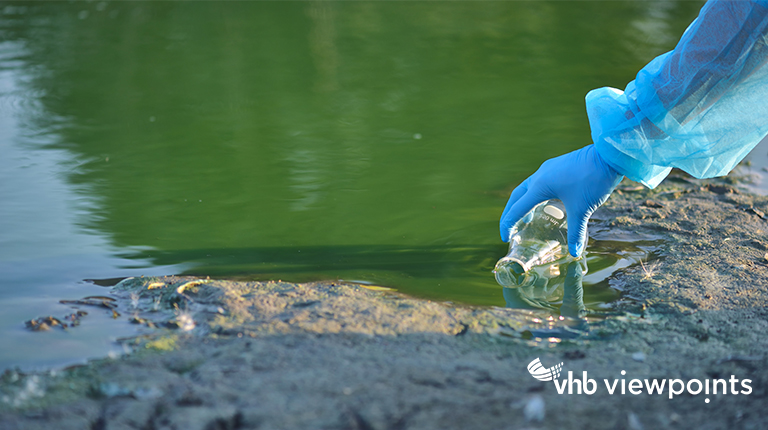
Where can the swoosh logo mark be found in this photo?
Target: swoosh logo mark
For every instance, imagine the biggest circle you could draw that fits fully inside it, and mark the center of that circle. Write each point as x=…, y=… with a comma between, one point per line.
x=538, y=371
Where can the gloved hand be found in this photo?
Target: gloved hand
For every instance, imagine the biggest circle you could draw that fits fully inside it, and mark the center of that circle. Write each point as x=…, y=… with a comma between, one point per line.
x=580, y=179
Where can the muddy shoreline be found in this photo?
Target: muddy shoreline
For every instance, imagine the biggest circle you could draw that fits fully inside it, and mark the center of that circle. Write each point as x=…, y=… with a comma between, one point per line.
x=279, y=355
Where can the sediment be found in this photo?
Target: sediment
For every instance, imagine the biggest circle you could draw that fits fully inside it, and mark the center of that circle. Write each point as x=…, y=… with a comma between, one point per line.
x=218, y=354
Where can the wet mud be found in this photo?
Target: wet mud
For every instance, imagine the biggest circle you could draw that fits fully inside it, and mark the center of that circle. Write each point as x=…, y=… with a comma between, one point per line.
x=230, y=355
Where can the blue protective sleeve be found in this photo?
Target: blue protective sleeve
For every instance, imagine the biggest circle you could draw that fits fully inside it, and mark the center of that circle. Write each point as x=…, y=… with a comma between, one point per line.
x=700, y=107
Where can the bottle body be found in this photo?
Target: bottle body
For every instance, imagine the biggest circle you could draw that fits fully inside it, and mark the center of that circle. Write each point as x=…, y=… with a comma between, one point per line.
x=539, y=239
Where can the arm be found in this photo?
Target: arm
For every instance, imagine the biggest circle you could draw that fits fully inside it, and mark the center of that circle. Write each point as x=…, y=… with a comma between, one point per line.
x=701, y=107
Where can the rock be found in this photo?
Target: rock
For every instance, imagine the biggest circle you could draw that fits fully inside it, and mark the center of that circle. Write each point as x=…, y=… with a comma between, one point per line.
x=652, y=204
x=534, y=408
x=633, y=422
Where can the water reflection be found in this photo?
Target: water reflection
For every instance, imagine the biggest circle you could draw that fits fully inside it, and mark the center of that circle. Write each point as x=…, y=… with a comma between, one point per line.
x=566, y=321
x=323, y=46
x=650, y=32
x=544, y=293
x=45, y=252
x=569, y=294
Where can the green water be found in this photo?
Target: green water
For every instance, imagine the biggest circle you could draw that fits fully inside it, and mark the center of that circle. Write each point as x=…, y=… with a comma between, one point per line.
x=365, y=141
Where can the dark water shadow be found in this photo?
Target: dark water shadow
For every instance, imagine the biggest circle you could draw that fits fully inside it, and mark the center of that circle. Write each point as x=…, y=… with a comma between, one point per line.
x=305, y=262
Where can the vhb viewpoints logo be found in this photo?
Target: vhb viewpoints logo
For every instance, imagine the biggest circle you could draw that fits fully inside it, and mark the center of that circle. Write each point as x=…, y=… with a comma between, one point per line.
x=620, y=386
x=538, y=371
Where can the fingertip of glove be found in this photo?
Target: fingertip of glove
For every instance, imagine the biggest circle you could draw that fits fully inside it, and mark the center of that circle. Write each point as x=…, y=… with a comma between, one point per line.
x=576, y=250
x=504, y=238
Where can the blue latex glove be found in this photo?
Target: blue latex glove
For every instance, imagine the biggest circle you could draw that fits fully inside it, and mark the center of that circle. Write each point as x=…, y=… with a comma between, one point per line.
x=580, y=179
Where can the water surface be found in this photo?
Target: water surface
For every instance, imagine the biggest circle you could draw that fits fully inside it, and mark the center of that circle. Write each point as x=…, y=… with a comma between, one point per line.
x=365, y=141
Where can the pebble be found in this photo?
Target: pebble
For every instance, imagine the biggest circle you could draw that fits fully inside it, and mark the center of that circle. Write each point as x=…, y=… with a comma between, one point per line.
x=633, y=422
x=534, y=409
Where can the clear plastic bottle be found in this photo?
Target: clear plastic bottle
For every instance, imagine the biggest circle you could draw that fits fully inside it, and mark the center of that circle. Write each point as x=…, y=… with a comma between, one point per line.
x=535, y=243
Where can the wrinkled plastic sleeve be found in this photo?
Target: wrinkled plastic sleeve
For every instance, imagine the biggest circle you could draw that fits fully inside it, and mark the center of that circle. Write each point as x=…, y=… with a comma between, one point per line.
x=700, y=107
